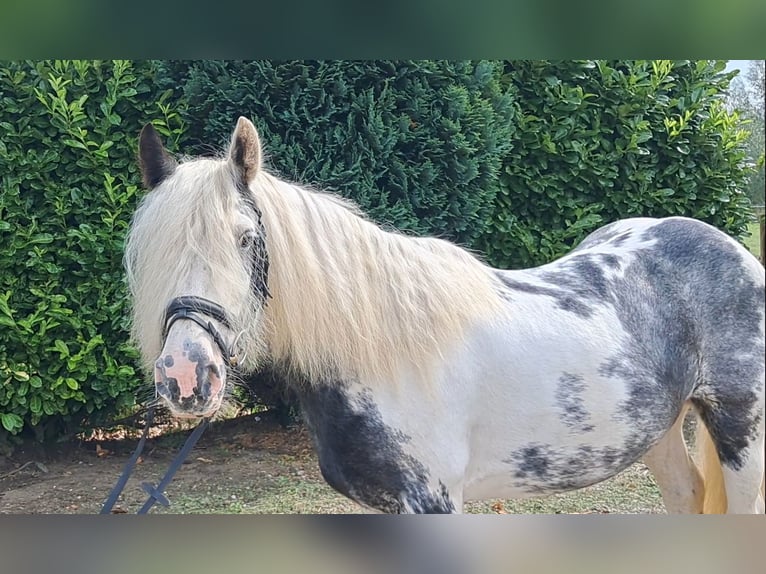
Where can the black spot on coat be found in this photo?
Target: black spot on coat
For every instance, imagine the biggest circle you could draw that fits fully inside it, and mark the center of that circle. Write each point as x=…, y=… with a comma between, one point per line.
x=362, y=458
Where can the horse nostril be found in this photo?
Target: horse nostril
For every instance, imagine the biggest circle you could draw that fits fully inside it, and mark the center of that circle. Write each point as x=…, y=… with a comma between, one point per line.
x=202, y=390
x=204, y=387
x=169, y=388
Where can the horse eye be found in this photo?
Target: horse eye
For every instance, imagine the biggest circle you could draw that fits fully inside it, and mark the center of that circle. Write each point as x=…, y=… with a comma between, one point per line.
x=246, y=240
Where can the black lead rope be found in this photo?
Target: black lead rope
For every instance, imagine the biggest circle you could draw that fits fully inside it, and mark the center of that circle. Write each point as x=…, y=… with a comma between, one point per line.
x=107, y=508
x=156, y=494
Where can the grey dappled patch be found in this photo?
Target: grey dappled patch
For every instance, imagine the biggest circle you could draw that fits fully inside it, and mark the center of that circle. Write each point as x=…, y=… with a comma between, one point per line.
x=728, y=306
x=564, y=300
x=610, y=260
x=692, y=316
x=608, y=234
x=577, y=284
x=582, y=277
x=569, y=400
x=543, y=468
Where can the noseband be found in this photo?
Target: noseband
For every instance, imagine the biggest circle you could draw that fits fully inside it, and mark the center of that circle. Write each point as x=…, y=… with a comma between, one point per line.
x=198, y=309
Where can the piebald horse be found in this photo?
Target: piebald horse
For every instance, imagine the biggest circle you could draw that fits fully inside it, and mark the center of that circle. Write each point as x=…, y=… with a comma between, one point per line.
x=427, y=377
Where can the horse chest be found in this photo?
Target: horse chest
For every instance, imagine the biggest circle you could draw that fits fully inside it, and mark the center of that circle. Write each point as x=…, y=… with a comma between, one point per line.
x=363, y=458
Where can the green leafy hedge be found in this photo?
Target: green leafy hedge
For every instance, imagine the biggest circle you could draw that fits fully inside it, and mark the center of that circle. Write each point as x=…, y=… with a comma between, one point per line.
x=69, y=186
x=518, y=160
x=419, y=144
x=416, y=144
x=599, y=141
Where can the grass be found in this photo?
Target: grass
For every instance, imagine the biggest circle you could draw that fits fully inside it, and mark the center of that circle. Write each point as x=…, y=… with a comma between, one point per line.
x=753, y=243
x=291, y=491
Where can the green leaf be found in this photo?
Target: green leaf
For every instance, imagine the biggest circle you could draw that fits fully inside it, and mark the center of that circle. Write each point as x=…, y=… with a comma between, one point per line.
x=11, y=422
x=35, y=404
x=75, y=144
x=41, y=238
x=62, y=348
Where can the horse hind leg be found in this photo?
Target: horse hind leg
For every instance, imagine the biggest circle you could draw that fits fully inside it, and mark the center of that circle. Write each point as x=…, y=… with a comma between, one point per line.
x=678, y=478
x=732, y=454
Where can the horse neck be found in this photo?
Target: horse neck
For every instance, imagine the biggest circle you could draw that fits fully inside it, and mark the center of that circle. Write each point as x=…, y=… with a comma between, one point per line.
x=353, y=298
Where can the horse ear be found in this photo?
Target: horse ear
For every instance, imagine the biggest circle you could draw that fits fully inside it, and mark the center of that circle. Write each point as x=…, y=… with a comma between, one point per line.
x=156, y=163
x=245, y=151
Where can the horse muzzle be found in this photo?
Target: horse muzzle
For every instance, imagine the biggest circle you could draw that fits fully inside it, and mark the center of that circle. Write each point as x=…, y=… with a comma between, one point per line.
x=189, y=381
x=190, y=374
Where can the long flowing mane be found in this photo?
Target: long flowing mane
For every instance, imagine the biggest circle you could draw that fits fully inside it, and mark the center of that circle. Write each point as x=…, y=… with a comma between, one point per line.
x=349, y=299
x=353, y=300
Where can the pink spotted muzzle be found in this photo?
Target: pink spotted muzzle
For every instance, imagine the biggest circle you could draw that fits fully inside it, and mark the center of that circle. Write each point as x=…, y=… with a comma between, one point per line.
x=190, y=374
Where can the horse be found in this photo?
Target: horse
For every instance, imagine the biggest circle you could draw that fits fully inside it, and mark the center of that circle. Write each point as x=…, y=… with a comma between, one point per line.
x=425, y=376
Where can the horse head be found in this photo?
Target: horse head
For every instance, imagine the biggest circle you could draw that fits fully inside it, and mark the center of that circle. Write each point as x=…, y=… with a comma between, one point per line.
x=197, y=268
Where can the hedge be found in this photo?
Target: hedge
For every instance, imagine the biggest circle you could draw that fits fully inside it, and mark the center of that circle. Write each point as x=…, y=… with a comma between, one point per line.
x=69, y=186
x=597, y=141
x=418, y=145
x=517, y=160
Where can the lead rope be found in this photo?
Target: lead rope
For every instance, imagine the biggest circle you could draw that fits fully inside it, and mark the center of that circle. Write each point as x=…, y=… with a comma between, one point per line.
x=112, y=498
x=156, y=494
x=185, y=307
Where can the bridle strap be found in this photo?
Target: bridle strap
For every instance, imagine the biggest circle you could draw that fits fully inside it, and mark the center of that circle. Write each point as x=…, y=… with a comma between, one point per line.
x=195, y=309
x=191, y=303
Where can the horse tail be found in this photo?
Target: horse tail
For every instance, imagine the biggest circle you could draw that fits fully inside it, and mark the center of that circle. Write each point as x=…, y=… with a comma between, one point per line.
x=714, y=501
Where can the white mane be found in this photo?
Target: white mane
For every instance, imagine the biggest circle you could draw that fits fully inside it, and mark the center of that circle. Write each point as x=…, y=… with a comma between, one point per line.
x=349, y=300
x=352, y=300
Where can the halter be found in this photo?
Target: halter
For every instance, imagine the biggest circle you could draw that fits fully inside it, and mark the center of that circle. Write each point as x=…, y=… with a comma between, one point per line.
x=196, y=309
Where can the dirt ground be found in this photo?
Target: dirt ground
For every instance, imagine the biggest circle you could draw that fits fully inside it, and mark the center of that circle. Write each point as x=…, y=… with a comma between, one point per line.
x=250, y=464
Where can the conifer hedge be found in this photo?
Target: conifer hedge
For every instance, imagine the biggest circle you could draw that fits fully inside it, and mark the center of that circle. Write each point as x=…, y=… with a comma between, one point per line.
x=418, y=145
